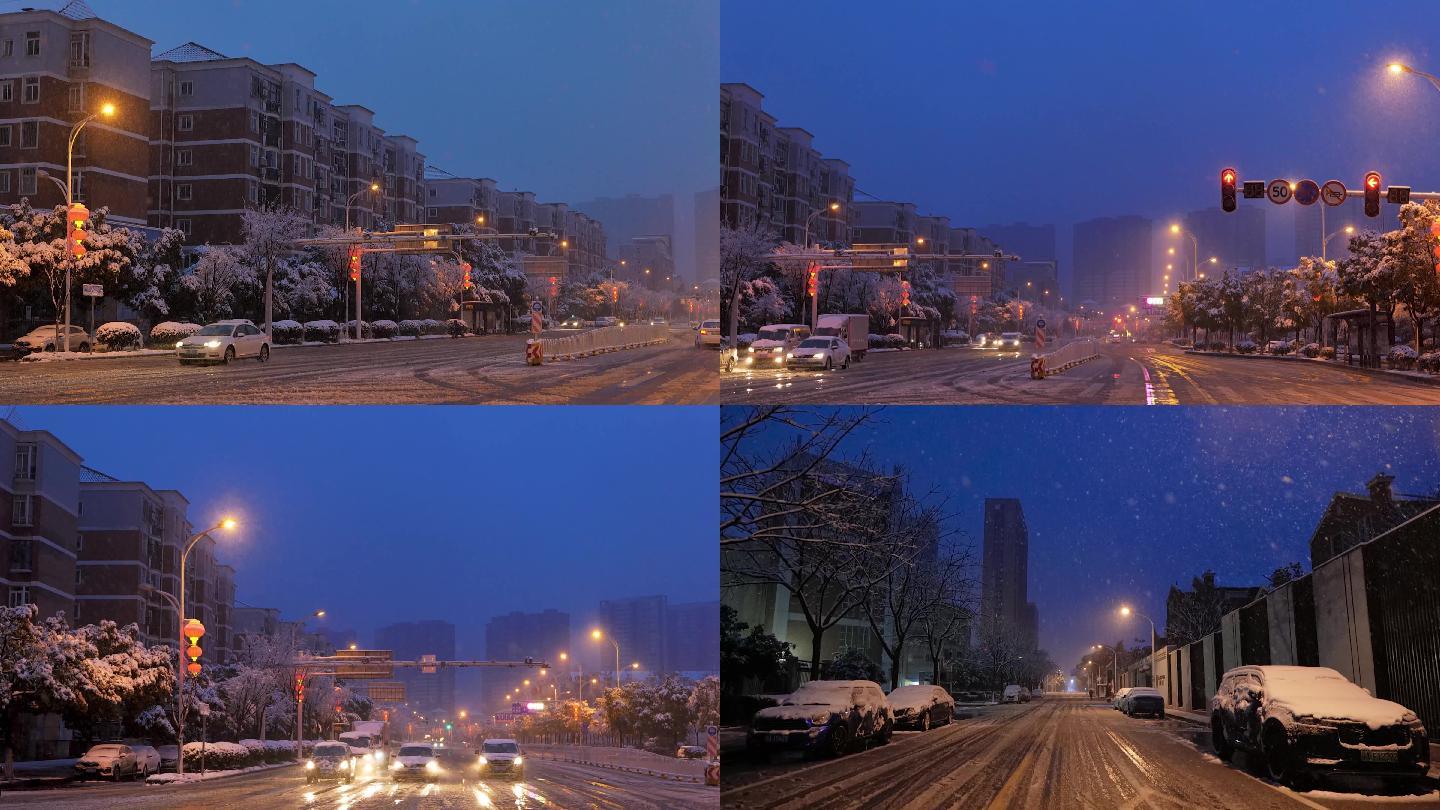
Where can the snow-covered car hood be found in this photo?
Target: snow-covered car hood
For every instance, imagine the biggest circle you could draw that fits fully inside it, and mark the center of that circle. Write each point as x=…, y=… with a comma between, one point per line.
x=799, y=711
x=1373, y=712
x=910, y=703
x=758, y=345
x=98, y=759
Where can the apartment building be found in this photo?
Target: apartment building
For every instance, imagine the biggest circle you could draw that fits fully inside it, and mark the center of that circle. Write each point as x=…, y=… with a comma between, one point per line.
x=883, y=222
x=515, y=214
x=587, y=254
x=648, y=262
x=973, y=277
x=935, y=233
x=59, y=66
x=39, y=515
x=746, y=134
x=461, y=201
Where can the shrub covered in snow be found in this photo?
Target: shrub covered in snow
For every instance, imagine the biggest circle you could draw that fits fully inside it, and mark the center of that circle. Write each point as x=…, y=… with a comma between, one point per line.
x=411, y=328
x=350, y=328
x=894, y=341
x=456, y=328
x=286, y=333
x=385, y=329
x=1429, y=361
x=1216, y=346
x=219, y=756
x=1328, y=353
x=1245, y=346
x=433, y=327
x=875, y=341
x=1401, y=357
x=167, y=334
x=117, y=336
x=1311, y=350
x=1281, y=347
x=322, y=331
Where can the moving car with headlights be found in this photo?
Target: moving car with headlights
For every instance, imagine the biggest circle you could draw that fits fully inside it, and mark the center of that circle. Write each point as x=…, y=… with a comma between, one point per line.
x=1299, y=723
x=224, y=341
x=773, y=342
x=330, y=760
x=572, y=322
x=501, y=757
x=708, y=334
x=111, y=760
x=50, y=338
x=820, y=352
x=1143, y=700
x=415, y=761
x=1009, y=341
x=921, y=707
x=826, y=717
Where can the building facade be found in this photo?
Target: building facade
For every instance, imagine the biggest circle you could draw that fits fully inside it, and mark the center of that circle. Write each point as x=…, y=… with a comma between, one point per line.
x=516, y=636
x=410, y=641
x=1004, y=574
x=39, y=521
x=1113, y=259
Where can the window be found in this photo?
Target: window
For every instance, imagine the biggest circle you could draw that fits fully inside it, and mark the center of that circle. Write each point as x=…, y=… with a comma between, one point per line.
x=187, y=88
x=77, y=97
x=7, y=48
x=22, y=554
x=7, y=90
x=22, y=510
x=30, y=94
x=254, y=155
x=184, y=157
x=183, y=191
x=79, y=575
x=80, y=49
x=253, y=191
x=29, y=134
x=184, y=226
x=4, y=182
x=27, y=180
x=5, y=135
x=432, y=213
x=19, y=595
x=185, y=123
x=25, y=457
x=32, y=43
x=254, y=121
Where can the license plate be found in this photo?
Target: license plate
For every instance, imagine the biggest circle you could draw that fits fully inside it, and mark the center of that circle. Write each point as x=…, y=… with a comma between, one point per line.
x=778, y=736
x=1379, y=756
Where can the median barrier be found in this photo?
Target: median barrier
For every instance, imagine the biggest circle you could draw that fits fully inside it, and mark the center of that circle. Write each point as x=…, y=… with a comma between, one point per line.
x=1064, y=358
x=602, y=340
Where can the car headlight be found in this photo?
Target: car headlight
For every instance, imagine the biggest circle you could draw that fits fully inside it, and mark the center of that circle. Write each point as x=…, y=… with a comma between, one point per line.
x=212, y=344
x=483, y=760
x=179, y=343
x=395, y=766
x=432, y=766
x=379, y=756
x=820, y=719
x=750, y=349
x=518, y=760
x=345, y=763
x=309, y=764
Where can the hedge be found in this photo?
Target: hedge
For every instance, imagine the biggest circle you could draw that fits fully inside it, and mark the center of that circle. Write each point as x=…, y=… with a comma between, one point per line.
x=322, y=331
x=118, y=336
x=384, y=329
x=166, y=334
x=287, y=333
x=456, y=328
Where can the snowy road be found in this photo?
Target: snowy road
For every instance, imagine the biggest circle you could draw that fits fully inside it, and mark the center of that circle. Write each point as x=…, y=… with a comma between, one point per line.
x=481, y=370
x=1053, y=753
x=1123, y=375
x=550, y=785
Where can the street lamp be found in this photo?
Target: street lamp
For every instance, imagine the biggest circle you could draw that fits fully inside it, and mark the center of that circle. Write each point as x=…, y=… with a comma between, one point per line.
x=1114, y=663
x=1125, y=610
x=834, y=206
x=597, y=635
x=1325, y=244
x=350, y=201
x=227, y=524
x=1396, y=68
x=107, y=110
x=1194, y=246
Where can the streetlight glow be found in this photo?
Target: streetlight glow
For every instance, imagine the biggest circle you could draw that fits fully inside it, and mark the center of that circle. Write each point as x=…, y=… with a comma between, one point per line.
x=1396, y=68
x=107, y=110
x=596, y=634
x=229, y=523
x=1174, y=228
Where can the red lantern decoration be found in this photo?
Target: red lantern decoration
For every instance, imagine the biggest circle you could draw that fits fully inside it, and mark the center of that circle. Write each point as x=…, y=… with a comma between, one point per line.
x=193, y=668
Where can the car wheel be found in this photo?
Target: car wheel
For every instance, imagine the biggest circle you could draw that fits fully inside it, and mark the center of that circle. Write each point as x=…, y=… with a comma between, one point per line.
x=84, y=348
x=1223, y=749
x=229, y=355
x=264, y=354
x=839, y=741
x=845, y=364
x=925, y=722
x=1278, y=754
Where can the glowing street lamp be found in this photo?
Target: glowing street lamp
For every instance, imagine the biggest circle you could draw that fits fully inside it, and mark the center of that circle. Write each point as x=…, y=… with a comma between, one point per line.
x=1397, y=68
x=1126, y=611
x=597, y=635
x=107, y=110
x=226, y=524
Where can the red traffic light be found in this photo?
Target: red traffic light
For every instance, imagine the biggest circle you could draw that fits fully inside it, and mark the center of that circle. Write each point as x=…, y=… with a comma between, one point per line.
x=1372, y=180
x=354, y=264
x=1227, y=190
x=1228, y=177
x=1372, y=194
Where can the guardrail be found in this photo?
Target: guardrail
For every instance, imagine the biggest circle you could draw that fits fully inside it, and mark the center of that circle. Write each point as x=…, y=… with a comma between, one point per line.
x=1069, y=356
x=604, y=339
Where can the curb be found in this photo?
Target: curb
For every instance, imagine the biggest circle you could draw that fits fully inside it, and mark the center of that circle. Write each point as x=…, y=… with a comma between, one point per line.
x=230, y=774
x=1381, y=373
x=645, y=771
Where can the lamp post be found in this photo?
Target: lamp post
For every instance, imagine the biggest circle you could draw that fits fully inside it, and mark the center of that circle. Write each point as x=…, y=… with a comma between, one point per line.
x=1325, y=244
x=815, y=299
x=107, y=110
x=1194, y=248
x=597, y=635
x=1114, y=663
x=349, y=202
x=1396, y=68
x=1125, y=610
x=226, y=523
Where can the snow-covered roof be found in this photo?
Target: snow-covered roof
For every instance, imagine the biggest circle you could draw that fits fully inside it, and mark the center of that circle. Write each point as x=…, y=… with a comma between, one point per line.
x=190, y=52
x=90, y=475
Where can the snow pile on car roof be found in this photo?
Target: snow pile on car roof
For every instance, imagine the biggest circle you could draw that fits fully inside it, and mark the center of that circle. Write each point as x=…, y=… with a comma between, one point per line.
x=1325, y=694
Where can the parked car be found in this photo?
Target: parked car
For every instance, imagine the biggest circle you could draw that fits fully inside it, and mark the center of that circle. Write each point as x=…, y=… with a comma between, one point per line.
x=48, y=338
x=330, y=760
x=148, y=757
x=1117, y=700
x=169, y=756
x=114, y=760
x=1298, y=723
x=921, y=707
x=501, y=757
x=415, y=760
x=823, y=717
x=224, y=341
x=607, y=320
x=708, y=334
x=775, y=341
x=820, y=352
x=690, y=752
x=1144, y=700
x=1015, y=693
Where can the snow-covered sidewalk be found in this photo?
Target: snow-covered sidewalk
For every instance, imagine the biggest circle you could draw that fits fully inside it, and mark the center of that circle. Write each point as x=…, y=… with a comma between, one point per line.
x=173, y=778
x=1422, y=377
x=630, y=760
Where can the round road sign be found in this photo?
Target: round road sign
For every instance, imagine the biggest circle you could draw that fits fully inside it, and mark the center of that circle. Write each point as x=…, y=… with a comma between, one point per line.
x=536, y=307
x=1333, y=192
x=1278, y=191
x=1307, y=192
x=1040, y=324
x=712, y=730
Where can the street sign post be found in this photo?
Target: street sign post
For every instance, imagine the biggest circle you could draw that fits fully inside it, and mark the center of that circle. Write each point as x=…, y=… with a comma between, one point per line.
x=1039, y=334
x=386, y=691
x=1307, y=192
x=1332, y=193
x=1278, y=191
x=92, y=291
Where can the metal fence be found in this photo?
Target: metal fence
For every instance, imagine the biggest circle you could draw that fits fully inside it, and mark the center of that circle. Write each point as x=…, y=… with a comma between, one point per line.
x=604, y=339
x=1070, y=355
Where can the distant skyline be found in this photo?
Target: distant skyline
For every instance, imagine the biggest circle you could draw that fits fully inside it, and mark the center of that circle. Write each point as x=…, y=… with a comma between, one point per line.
x=990, y=115
x=1122, y=503
x=385, y=515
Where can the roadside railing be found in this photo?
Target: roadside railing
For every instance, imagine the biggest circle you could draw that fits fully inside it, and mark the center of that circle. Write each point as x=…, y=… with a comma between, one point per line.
x=1068, y=356
x=604, y=339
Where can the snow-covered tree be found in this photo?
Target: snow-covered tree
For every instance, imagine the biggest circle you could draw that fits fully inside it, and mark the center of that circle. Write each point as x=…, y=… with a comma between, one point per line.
x=269, y=234
x=704, y=704
x=216, y=282
x=1409, y=248
x=1370, y=275
x=744, y=255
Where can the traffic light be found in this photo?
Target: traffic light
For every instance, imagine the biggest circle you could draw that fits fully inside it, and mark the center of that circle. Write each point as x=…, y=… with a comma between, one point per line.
x=77, y=220
x=904, y=293
x=466, y=283
x=193, y=631
x=1227, y=190
x=812, y=281
x=554, y=286
x=1372, y=194
x=355, y=264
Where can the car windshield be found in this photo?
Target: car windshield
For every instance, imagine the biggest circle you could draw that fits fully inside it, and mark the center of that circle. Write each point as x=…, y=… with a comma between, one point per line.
x=774, y=334
x=332, y=750
x=815, y=343
x=217, y=329
x=710, y=325
x=416, y=751
x=501, y=748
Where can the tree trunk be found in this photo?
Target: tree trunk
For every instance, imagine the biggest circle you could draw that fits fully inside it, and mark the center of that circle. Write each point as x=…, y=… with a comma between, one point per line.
x=269, y=296
x=816, y=635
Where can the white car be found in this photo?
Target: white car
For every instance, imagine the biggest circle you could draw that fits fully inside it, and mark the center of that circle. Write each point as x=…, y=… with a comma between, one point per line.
x=47, y=339
x=501, y=757
x=148, y=757
x=114, y=760
x=224, y=341
x=820, y=352
x=708, y=334
x=330, y=760
x=415, y=760
x=1119, y=699
x=1009, y=340
x=775, y=341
